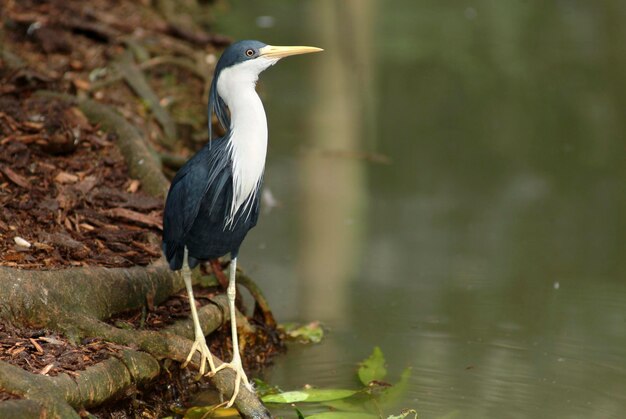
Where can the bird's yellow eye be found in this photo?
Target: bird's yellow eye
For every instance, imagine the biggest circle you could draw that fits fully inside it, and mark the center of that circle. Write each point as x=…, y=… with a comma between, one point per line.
x=249, y=52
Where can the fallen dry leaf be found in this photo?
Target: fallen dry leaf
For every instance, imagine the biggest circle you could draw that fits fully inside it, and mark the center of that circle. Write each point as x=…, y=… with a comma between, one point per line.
x=81, y=84
x=36, y=345
x=15, y=178
x=45, y=370
x=133, y=186
x=87, y=227
x=65, y=177
x=86, y=184
x=137, y=217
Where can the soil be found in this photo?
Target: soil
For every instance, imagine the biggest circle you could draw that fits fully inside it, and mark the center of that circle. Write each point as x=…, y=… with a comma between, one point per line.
x=47, y=353
x=65, y=195
x=64, y=187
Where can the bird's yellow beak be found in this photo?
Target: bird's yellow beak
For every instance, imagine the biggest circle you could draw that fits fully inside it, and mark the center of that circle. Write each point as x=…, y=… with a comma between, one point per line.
x=271, y=51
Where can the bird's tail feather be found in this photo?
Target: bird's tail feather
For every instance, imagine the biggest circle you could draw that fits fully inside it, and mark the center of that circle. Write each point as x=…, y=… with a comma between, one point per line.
x=174, y=256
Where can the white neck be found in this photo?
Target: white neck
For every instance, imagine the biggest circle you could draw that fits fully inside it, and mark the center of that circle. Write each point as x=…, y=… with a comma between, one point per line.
x=248, y=128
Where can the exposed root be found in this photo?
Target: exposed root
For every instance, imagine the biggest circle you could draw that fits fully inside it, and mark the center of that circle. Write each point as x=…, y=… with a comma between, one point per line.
x=73, y=301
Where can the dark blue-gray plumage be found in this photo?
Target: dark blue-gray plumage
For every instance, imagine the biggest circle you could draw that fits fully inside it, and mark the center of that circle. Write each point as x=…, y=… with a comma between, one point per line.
x=197, y=209
x=214, y=198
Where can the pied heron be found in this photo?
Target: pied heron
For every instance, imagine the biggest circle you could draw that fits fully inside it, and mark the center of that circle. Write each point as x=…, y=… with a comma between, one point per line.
x=214, y=198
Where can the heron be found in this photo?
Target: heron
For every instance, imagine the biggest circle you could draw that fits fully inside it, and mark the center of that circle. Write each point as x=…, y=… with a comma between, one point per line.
x=214, y=199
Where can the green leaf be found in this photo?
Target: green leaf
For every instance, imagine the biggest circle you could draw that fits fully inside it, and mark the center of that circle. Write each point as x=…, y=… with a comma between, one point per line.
x=404, y=414
x=361, y=402
x=308, y=395
x=308, y=333
x=342, y=415
x=373, y=368
x=262, y=388
x=351, y=405
x=394, y=393
x=203, y=412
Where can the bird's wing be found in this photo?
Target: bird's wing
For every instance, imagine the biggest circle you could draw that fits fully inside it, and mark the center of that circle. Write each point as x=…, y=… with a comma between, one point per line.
x=206, y=171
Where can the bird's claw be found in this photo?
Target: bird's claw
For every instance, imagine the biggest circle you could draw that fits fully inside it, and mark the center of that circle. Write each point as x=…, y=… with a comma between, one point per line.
x=205, y=354
x=240, y=376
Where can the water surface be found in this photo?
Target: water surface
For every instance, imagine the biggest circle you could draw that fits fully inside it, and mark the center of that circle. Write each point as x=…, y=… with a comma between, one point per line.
x=451, y=187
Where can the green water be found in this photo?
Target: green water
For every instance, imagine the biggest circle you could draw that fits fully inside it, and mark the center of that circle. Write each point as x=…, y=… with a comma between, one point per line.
x=489, y=251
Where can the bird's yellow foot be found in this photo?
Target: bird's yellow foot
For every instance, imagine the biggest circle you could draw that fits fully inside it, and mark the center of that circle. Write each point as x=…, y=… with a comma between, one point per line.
x=240, y=377
x=205, y=355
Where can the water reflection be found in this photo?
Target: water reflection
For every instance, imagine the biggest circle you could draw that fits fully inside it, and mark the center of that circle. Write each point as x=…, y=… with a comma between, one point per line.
x=332, y=190
x=490, y=254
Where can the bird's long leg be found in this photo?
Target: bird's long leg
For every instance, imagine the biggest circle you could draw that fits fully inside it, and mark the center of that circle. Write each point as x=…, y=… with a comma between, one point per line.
x=199, y=343
x=235, y=364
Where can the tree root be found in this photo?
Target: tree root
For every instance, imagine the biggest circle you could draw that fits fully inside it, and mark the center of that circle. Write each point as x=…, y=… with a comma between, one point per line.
x=126, y=66
x=141, y=160
x=39, y=297
x=24, y=409
x=76, y=301
x=261, y=305
x=184, y=63
x=60, y=395
x=143, y=163
x=98, y=383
